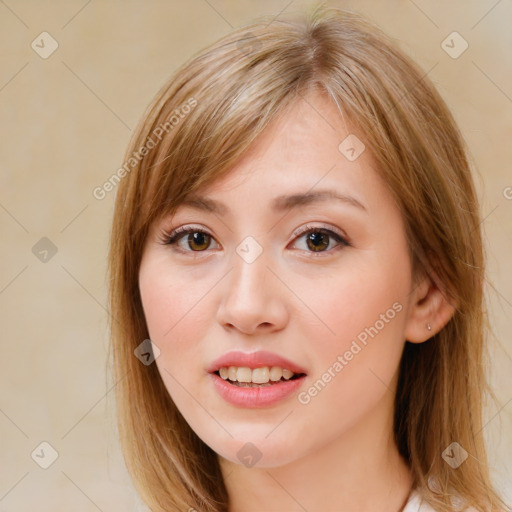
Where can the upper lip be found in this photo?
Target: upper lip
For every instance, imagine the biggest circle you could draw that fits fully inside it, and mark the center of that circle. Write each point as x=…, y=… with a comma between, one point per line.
x=254, y=360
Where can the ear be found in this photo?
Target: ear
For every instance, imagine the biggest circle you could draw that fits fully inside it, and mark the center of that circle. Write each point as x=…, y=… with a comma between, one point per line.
x=428, y=306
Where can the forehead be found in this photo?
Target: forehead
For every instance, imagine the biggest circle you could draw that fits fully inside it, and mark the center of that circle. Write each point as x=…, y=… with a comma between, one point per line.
x=300, y=159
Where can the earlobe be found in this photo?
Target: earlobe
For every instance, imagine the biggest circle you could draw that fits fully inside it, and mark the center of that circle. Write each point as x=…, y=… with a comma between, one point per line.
x=429, y=311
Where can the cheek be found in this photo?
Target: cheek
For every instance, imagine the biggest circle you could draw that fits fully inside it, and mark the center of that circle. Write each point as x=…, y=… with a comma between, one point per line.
x=353, y=302
x=172, y=301
x=362, y=311
x=176, y=318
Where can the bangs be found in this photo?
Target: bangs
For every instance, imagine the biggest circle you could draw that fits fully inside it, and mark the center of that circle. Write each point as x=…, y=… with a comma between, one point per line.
x=229, y=109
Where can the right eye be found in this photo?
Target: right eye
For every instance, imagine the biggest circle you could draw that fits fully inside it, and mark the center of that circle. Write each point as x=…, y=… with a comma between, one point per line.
x=194, y=239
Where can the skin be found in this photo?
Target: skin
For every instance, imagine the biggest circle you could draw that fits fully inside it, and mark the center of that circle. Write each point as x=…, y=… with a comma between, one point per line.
x=335, y=453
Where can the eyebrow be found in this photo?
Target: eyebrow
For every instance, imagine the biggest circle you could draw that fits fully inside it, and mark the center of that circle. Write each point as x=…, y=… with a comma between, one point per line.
x=279, y=204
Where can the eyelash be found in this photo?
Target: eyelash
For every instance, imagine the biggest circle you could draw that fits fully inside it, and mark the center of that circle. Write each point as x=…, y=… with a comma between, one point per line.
x=175, y=236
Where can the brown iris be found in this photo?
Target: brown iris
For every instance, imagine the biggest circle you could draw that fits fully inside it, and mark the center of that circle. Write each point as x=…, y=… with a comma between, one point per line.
x=198, y=241
x=317, y=241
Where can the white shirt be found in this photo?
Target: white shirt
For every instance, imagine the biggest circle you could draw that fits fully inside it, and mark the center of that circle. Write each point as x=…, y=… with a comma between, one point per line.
x=416, y=504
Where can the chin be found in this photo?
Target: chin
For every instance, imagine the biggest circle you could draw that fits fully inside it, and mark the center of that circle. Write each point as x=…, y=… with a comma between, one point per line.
x=256, y=451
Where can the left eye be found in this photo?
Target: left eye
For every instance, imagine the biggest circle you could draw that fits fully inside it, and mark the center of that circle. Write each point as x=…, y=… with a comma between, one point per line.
x=318, y=239
x=197, y=240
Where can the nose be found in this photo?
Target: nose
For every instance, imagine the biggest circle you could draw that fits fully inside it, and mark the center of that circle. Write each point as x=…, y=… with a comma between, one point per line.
x=253, y=298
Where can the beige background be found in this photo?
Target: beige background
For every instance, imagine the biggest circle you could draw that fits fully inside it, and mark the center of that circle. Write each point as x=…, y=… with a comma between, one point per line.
x=65, y=122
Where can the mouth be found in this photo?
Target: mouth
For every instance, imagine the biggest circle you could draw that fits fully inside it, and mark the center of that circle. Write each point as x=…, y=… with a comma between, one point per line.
x=260, y=377
x=256, y=379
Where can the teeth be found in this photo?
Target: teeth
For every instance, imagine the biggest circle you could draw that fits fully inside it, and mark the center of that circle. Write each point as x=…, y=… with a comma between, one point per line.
x=276, y=373
x=232, y=373
x=262, y=375
x=243, y=374
x=287, y=374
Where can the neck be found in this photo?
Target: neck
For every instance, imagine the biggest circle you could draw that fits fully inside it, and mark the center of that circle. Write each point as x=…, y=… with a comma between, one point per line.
x=361, y=471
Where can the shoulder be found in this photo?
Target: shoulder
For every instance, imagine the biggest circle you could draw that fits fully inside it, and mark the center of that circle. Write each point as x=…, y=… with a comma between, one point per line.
x=416, y=504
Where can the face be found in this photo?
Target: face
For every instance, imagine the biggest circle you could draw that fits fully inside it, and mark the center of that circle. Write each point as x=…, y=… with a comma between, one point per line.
x=318, y=286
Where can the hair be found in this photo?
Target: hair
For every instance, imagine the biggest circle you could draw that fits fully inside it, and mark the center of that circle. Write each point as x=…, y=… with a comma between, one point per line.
x=198, y=126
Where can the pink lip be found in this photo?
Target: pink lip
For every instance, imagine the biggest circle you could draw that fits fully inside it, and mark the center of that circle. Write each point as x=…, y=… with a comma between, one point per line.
x=254, y=360
x=256, y=397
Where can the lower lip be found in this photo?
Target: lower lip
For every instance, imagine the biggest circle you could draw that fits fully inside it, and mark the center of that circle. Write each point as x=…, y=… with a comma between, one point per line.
x=256, y=397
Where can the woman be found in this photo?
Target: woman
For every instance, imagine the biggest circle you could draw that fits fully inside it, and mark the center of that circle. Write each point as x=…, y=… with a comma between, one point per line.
x=297, y=233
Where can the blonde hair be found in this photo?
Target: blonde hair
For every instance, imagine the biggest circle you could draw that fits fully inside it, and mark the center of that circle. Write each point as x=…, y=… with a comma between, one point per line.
x=233, y=90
